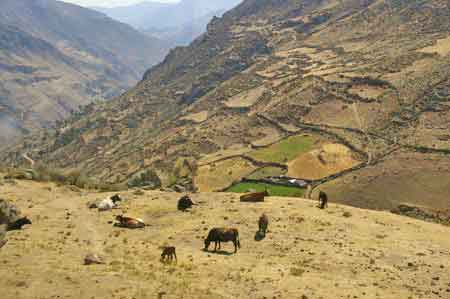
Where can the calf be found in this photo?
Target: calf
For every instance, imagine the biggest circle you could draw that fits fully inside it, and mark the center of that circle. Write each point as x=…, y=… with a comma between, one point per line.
x=17, y=225
x=218, y=235
x=263, y=223
x=129, y=222
x=323, y=200
x=168, y=253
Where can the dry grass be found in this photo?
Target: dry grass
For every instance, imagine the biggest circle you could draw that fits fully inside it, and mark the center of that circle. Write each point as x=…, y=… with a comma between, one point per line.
x=217, y=176
x=442, y=47
x=307, y=252
x=197, y=117
x=329, y=159
x=247, y=98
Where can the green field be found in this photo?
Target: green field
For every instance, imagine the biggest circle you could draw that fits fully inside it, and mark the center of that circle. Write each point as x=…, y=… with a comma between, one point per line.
x=285, y=150
x=266, y=172
x=274, y=190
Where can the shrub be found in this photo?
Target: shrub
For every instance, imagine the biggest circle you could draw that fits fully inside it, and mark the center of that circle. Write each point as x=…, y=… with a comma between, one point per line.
x=145, y=178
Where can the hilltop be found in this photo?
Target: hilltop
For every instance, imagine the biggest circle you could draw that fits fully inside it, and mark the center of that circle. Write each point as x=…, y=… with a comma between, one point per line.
x=352, y=95
x=307, y=253
x=55, y=57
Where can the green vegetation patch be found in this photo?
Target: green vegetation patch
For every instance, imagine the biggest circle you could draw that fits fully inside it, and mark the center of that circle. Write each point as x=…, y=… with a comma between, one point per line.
x=285, y=150
x=266, y=172
x=274, y=190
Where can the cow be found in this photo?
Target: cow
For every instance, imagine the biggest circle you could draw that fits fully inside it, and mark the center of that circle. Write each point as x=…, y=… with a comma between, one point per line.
x=218, y=235
x=263, y=223
x=185, y=203
x=168, y=253
x=254, y=196
x=129, y=222
x=323, y=200
x=107, y=203
x=17, y=225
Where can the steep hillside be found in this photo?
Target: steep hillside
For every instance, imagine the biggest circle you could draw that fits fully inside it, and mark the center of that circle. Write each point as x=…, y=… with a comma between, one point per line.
x=341, y=252
x=55, y=57
x=347, y=94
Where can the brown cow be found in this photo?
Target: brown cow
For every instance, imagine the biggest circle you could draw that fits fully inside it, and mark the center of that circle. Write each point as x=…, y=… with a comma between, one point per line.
x=129, y=222
x=263, y=223
x=169, y=252
x=218, y=235
x=254, y=196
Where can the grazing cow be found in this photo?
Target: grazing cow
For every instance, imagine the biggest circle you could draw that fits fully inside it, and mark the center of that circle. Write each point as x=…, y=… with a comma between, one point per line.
x=185, y=203
x=218, y=235
x=17, y=225
x=129, y=222
x=323, y=200
x=263, y=223
x=168, y=253
x=254, y=196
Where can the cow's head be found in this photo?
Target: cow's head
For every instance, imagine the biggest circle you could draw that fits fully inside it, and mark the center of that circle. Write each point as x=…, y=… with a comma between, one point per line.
x=207, y=242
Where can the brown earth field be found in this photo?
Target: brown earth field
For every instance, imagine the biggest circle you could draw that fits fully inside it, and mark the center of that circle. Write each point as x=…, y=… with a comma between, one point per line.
x=406, y=178
x=341, y=252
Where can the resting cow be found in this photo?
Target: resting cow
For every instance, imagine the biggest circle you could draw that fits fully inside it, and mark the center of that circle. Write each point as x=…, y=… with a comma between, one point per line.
x=129, y=222
x=218, y=235
x=254, y=197
x=17, y=225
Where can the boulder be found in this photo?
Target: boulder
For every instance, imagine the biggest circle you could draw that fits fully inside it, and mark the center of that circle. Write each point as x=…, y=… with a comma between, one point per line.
x=93, y=259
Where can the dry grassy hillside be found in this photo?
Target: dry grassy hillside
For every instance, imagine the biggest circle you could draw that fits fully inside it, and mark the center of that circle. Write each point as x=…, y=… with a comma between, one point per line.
x=341, y=252
x=273, y=86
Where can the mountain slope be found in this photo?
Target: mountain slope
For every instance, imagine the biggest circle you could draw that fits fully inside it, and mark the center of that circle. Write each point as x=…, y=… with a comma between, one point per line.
x=55, y=57
x=342, y=93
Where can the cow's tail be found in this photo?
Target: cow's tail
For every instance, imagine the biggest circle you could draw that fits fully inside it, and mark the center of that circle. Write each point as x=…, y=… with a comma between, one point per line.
x=238, y=242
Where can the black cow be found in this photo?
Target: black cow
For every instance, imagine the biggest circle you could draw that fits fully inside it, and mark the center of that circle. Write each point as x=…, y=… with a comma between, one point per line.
x=323, y=200
x=218, y=235
x=185, y=203
x=17, y=225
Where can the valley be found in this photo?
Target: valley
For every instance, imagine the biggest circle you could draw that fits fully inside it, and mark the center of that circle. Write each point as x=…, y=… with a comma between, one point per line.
x=56, y=57
x=349, y=97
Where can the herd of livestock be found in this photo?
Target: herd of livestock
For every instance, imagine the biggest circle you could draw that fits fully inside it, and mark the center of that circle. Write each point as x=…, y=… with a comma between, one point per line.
x=217, y=235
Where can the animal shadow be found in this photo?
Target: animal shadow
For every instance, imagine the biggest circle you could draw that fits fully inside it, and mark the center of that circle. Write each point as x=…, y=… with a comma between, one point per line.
x=259, y=235
x=219, y=252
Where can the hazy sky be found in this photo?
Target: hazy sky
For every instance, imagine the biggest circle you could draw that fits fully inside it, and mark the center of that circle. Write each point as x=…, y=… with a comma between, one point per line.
x=111, y=3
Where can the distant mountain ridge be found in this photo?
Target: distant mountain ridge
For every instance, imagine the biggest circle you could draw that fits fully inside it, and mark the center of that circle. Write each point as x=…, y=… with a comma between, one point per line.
x=177, y=23
x=56, y=56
